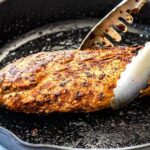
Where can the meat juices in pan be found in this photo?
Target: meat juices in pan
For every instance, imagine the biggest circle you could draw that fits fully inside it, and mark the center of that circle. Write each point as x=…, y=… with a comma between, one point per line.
x=64, y=81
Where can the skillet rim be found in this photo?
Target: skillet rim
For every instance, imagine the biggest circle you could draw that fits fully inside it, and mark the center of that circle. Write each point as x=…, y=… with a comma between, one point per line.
x=29, y=146
x=17, y=142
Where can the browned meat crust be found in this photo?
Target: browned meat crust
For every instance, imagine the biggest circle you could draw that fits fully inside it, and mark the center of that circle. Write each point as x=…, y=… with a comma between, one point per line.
x=63, y=81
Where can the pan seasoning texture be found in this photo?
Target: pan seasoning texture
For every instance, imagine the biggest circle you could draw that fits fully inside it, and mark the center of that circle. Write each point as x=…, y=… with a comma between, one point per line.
x=103, y=129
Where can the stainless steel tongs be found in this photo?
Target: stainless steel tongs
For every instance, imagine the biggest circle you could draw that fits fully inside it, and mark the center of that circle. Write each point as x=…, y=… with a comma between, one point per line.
x=137, y=73
x=108, y=27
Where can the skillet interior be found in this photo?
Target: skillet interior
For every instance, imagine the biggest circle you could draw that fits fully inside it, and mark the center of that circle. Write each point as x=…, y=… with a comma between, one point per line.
x=130, y=126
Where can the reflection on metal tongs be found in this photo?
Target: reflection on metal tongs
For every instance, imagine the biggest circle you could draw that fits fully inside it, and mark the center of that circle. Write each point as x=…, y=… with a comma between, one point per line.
x=113, y=22
x=137, y=73
x=133, y=80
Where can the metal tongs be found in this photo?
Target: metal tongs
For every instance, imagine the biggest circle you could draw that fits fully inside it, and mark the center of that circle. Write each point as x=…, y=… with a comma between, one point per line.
x=137, y=73
x=113, y=22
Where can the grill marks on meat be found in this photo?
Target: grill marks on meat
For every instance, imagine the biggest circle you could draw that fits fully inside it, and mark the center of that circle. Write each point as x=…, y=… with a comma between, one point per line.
x=63, y=81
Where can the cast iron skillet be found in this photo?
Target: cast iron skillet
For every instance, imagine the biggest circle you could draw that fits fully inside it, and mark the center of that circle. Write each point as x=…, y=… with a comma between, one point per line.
x=66, y=22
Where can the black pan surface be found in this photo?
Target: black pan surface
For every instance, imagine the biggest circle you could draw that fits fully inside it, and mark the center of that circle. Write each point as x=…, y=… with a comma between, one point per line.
x=20, y=36
x=104, y=129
